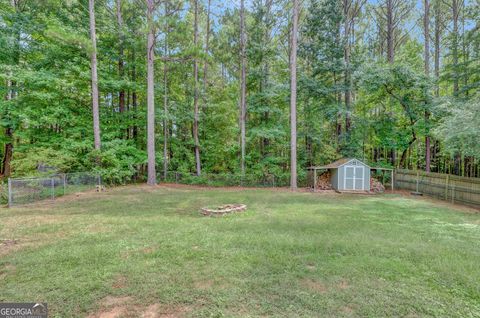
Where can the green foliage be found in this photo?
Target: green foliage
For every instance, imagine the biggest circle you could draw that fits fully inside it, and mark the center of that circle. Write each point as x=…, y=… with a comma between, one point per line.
x=118, y=162
x=46, y=104
x=28, y=163
x=459, y=127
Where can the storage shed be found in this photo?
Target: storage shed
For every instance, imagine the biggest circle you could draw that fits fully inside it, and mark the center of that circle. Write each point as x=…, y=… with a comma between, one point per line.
x=348, y=174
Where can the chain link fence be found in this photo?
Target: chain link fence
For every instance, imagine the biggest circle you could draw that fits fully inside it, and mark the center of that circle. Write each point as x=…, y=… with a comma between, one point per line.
x=230, y=179
x=29, y=190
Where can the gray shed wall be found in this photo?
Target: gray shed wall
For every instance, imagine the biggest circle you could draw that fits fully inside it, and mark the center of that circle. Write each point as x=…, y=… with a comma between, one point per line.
x=338, y=176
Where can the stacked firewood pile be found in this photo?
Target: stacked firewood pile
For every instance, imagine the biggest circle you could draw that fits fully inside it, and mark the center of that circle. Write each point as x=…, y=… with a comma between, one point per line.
x=376, y=186
x=323, y=181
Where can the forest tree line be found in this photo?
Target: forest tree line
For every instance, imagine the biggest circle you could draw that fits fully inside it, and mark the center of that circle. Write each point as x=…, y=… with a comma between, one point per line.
x=127, y=87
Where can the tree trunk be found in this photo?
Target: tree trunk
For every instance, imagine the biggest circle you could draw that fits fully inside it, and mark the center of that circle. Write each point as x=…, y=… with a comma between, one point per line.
x=195, y=93
x=346, y=55
x=465, y=52
x=390, y=32
x=243, y=106
x=455, y=12
x=93, y=62
x=426, y=29
x=165, y=98
x=455, y=15
x=293, y=98
x=5, y=170
x=205, y=65
x=437, y=47
x=7, y=154
x=134, y=99
x=121, y=94
x=265, y=141
x=391, y=57
x=151, y=169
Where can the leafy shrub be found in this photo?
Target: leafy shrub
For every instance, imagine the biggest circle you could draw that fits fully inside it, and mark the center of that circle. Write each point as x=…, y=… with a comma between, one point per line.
x=3, y=193
x=27, y=163
x=119, y=161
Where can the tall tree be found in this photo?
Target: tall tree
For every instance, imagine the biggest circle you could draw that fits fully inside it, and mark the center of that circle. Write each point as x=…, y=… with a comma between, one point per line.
x=455, y=67
x=455, y=15
x=205, y=65
x=165, y=95
x=243, y=105
x=437, y=42
x=93, y=65
x=5, y=170
x=121, y=39
x=426, y=35
x=151, y=169
x=351, y=10
x=195, y=92
x=391, y=15
x=8, y=148
x=321, y=52
x=390, y=31
x=293, y=98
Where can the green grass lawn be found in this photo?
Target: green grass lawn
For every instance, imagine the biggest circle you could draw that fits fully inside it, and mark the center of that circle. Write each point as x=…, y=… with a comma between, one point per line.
x=136, y=251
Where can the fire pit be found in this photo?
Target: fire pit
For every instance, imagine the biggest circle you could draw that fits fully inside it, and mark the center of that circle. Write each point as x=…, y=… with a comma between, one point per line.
x=223, y=209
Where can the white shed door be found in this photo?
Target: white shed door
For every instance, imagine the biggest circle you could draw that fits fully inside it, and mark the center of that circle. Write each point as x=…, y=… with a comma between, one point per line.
x=354, y=176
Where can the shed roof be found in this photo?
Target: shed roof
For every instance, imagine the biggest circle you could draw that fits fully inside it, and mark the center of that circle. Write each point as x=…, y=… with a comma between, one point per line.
x=337, y=164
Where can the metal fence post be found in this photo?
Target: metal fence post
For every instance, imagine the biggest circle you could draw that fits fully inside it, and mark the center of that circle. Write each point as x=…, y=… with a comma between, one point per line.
x=393, y=177
x=273, y=180
x=453, y=193
x=10, y=194
x=52, y=182
x=446, y=187
x=416, y=187
x=64, y=183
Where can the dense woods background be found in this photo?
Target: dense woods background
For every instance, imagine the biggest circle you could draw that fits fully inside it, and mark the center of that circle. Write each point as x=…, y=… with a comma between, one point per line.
x=393, y=82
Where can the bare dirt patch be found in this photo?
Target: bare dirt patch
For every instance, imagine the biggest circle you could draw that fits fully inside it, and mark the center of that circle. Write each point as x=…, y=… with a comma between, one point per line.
x=125, y=306
x=160, y=311
x=9, y=242
x=11, y=245
x=112, y=307
x=314, y=285
x=152, y=311
x=110, y=313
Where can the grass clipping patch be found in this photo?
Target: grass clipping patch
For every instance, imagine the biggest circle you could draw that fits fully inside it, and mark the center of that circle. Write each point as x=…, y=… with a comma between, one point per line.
x=223, y=209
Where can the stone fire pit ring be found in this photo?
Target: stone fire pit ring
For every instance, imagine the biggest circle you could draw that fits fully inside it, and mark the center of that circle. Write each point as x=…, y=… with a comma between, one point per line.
x=223, y=209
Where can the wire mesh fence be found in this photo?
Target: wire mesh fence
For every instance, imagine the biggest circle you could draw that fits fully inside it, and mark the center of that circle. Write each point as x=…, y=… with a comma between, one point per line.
x=230, y=179
x=29, y=190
